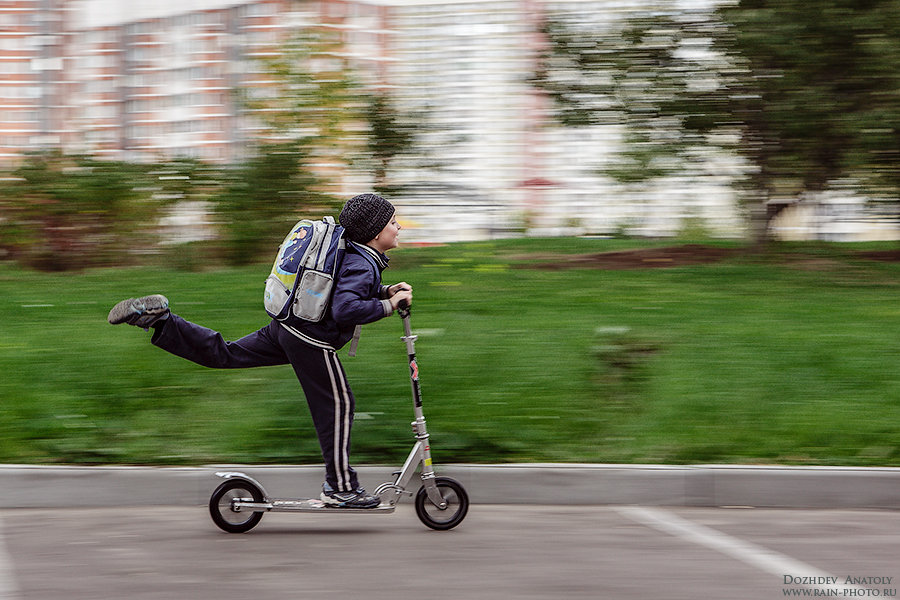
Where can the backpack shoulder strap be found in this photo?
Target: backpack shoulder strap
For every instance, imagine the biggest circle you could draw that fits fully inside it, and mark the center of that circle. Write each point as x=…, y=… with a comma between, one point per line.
x=354, y=342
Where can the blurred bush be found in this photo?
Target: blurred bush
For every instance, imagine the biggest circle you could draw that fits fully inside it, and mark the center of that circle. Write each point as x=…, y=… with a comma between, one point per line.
x=260, y=200
x=62, y=212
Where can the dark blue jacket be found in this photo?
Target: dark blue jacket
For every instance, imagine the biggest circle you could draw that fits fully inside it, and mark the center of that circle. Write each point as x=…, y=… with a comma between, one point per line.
x=357, y=298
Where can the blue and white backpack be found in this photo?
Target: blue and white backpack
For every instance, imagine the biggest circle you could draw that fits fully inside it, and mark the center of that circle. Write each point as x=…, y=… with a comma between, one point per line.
x=299, y=287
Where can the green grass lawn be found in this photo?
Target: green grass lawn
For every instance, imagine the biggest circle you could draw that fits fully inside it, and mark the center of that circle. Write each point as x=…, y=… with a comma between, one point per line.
x=786, y=357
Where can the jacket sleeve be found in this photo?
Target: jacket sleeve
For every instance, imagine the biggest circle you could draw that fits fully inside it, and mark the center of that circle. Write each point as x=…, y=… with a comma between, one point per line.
x=356, y=295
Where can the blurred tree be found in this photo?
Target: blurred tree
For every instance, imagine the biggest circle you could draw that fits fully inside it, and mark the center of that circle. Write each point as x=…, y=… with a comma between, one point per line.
x=260, y=200
x=805, y=93
x=312, y=117
x=311, y=100
x=65, y=212
x=318, y=123
x=391, y=134
x=310, y=114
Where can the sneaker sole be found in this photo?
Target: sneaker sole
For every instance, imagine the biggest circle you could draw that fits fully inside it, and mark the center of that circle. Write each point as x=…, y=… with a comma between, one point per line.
x=134, y=308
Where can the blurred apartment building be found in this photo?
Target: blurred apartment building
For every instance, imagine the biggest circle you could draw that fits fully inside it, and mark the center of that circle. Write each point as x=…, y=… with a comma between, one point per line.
x=152, y=79
x=127, y=80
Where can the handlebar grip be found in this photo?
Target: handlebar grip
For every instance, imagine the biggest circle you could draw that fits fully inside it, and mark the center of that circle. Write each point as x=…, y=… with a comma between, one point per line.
x=403, y=305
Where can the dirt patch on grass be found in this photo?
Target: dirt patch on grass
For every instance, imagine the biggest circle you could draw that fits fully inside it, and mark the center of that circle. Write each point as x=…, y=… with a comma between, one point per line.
x=882, y=255
x=640, y=258
x=691, y=254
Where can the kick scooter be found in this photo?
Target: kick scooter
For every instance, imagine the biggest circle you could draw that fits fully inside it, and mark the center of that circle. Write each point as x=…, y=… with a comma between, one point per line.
x=240, y=502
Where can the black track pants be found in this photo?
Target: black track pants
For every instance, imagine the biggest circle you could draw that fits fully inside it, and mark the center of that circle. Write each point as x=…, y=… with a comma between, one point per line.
x=319, y=371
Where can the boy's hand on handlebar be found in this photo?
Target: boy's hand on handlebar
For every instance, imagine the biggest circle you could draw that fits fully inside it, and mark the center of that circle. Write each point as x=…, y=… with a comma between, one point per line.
x=400, y=296
x=398, y=287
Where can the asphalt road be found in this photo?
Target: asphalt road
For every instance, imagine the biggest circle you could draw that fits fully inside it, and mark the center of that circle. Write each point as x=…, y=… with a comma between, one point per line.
x=497, y=553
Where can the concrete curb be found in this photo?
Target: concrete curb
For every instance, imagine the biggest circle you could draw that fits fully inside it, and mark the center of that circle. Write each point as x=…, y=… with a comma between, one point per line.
x=30, y=486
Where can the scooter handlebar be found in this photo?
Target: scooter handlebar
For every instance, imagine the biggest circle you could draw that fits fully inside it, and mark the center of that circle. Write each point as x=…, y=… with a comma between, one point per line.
x=403, y=308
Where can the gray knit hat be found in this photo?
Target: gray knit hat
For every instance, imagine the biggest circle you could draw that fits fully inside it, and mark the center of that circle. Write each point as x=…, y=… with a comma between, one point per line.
x=364, y=216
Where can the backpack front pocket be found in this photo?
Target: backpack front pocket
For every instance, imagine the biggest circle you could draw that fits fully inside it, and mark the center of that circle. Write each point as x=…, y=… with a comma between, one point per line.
x=276, y=297
x=313, y=295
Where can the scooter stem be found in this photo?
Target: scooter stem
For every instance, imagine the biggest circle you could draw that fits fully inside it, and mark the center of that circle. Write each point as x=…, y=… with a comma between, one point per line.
x=422, y=450
x=410, y=341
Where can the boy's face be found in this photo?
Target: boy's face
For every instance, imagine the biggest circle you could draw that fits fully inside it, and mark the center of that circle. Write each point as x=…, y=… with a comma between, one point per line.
x=388, y=238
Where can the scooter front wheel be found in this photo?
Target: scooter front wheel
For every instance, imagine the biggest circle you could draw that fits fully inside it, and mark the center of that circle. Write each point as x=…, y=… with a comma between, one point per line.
x=221, y=506
x=454, y=494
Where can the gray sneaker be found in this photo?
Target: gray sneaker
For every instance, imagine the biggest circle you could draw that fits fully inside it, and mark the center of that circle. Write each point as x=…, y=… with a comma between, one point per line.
x=140, y=312
x=357, y=498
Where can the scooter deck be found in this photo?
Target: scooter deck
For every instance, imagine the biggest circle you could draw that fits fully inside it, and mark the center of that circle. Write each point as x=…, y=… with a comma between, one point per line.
x=303, y=505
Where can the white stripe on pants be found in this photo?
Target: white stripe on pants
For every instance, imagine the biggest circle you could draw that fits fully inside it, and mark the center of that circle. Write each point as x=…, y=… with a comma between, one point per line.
x=341, y=421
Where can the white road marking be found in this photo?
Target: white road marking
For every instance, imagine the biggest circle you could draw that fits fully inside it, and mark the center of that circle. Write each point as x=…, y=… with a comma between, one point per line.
x=9, y=589
x=760, y=557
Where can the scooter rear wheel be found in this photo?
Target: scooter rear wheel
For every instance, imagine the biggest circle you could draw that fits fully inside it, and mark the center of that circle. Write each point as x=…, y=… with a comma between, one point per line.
x=454, y=494
x=221, y=506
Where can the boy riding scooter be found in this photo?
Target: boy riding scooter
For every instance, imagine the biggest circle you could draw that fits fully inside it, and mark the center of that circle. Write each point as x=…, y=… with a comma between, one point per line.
x=310, y=348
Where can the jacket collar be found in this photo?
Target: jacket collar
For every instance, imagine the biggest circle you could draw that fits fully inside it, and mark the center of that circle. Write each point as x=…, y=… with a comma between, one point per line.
x=380, y=260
